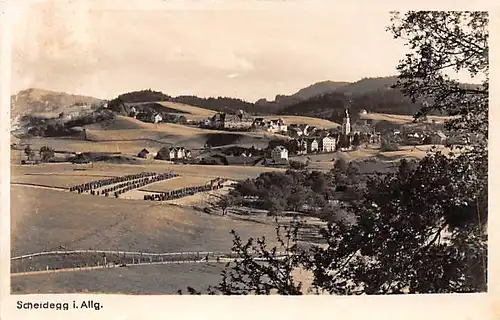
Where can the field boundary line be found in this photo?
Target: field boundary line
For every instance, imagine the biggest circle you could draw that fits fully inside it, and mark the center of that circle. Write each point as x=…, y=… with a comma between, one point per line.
x=37, y=185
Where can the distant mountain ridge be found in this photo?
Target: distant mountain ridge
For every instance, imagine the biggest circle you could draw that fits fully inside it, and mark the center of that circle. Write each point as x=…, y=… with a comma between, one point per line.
x=362, y=86
x=367, y=85
x=318, y=88
x=325, y=99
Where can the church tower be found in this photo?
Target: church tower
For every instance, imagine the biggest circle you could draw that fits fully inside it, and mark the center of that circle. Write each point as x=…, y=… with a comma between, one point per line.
x=346, y=123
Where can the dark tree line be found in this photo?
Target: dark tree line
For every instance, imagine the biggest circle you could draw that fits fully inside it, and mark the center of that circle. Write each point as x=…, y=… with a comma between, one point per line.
x=222, y=104
x=147, y=95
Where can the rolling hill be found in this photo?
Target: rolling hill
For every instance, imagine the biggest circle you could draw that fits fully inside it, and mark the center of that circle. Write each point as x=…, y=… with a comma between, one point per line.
x=173, y=134
x=33, y=101
x=320, y=88
x=366, y=85
x=372, y=94
x=128, y=136
x=283, y=101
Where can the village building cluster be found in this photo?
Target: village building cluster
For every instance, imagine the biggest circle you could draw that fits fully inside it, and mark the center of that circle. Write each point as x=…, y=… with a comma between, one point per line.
x=172, y=154
x=225, y=121
x=306, y=138
x=309, y=139
x=146, y=115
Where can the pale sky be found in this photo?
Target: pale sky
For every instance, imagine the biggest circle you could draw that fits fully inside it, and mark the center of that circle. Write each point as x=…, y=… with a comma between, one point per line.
x=248, y=51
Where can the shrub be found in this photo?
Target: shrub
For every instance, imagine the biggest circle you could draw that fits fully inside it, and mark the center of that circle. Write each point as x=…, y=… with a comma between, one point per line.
x=297, y=165
x=387, y=145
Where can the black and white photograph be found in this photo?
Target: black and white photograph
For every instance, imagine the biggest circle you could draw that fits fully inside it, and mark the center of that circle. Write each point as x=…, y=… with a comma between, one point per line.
x=263, y=149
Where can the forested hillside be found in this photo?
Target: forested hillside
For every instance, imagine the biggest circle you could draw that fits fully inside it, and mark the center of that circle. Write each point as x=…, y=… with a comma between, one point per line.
x=326, y=100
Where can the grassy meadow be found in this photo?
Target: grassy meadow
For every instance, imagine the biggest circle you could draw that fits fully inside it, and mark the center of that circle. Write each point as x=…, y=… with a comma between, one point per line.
x=44, y=220
x=149, y=279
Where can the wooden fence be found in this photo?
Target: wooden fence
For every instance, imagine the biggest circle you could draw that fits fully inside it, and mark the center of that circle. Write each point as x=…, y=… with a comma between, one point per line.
x=93, y=259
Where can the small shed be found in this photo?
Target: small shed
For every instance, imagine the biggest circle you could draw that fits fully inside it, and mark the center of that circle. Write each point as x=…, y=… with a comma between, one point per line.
x=143, y=154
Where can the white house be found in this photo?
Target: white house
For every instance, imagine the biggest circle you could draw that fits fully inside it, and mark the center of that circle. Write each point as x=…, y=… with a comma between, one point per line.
x=328, y=144
x=172, y=153
x=157, y=118
x=178, y=153
x=313, y=145
x=133, y=112
x=279, y=153
x=181, y=153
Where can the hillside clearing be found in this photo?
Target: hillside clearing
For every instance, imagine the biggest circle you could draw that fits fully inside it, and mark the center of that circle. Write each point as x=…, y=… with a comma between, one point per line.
x=320, y=123
x=400, y=119
x=195, y=113
x=176, y=183
x=58, y=181
x=109, y=169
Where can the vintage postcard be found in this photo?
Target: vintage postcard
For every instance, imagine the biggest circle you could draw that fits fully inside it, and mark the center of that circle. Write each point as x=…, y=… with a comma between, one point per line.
x=281, y=148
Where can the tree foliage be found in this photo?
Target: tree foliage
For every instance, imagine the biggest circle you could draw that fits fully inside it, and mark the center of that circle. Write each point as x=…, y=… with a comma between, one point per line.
x=388, y=144
x=224, y=202
x=343, y=141
x=46, y=153
x=443, y=42
x=29, y=152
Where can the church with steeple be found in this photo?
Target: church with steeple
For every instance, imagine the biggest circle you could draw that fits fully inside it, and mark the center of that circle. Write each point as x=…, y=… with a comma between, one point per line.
x=346, y=123
x=344, y=139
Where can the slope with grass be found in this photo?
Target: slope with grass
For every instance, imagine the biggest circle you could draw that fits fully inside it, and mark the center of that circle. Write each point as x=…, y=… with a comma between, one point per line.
x=120, y=123
x=195, y=113
x=188, y=111
x=196, y=172
x=400, y=119
x=176, y=183
x=317, y=122
x=152, y=279
x=128, y=147
x=57, y=181
x=44, y=220
x=172, y=134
